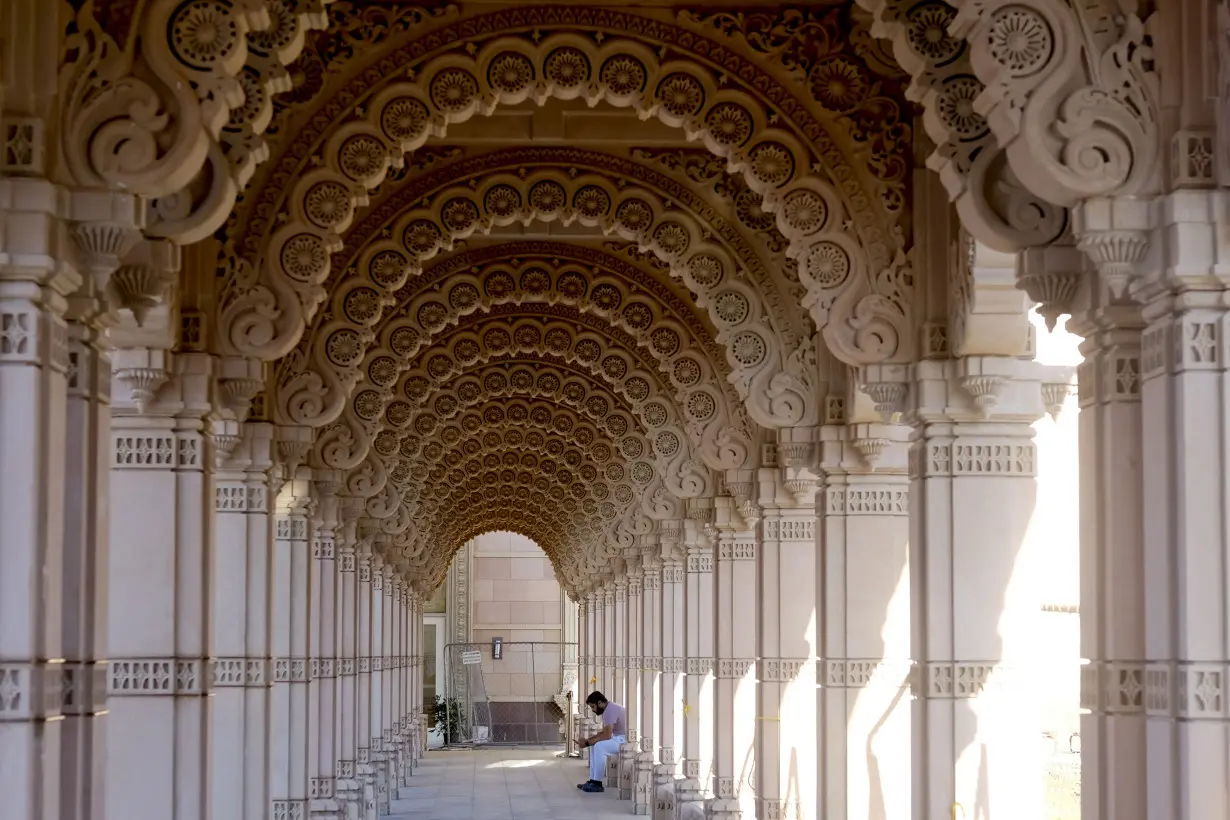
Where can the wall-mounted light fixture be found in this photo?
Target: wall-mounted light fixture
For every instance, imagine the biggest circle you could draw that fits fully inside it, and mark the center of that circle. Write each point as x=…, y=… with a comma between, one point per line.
x=497, y=648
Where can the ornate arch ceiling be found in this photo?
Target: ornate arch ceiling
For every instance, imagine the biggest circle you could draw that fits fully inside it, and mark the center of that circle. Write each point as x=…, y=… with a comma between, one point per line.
x=758, y=324
x=559, y=339
x=833, y=152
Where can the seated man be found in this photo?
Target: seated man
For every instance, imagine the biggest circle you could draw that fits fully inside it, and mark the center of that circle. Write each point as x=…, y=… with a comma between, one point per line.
x=605, y=743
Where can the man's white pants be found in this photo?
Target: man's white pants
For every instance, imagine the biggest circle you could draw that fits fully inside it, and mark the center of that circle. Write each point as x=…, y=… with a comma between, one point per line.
x=599, y=752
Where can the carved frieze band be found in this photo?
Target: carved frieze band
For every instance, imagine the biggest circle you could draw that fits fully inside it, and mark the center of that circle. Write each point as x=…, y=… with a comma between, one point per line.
x=956, y=680
x=240, y=672
x=161, y=450
x=158, y=677
x=737, y=551
x=289, y=810
x=33, y=691
x=780, y=809
x=238, y=497
x=699, y=666
x=790, y=529
x=966, y=457
x=1188, y=344
x=1183, y=689
x=785, y=670
x=863, y=673
x=732, y=668
x=892, y=500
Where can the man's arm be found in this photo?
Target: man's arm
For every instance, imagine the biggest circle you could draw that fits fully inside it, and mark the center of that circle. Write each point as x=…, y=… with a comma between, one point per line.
x=605, y=734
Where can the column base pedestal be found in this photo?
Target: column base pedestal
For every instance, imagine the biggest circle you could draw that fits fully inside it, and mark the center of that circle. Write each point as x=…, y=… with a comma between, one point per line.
x=643, y=787
x=324, y=810
x=726, y=808
x=664, y=792
x=627, y=770
x=367, y=791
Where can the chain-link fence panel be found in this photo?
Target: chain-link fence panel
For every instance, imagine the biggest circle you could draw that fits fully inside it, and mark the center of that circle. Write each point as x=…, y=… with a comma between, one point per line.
x=516, y=693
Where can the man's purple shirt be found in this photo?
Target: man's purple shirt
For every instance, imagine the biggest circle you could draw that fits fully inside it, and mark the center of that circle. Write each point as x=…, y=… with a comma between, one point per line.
x=616, y=717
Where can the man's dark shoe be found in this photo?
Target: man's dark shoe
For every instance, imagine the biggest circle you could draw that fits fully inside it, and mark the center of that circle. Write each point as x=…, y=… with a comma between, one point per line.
x=591, y=786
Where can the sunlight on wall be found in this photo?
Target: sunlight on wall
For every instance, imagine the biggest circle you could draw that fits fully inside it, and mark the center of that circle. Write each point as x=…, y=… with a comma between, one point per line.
x=1051, y=565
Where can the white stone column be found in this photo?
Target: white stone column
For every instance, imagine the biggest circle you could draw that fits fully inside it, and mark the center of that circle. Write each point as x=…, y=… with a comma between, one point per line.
x=290, y=570
x=414, y=670
x=699, y=628
x=34, y=357
x=398, y=676
x=377, y=703
x=672, y=636
x=863, y=582
x=161, y=577
x=735, y=693
x=619, y=638
x=323, y=617
x=239, y=675
x=258, y=664
x=382, y=688
x=1185, y=354
x=606, y=682
x=631, y=625
x=972, y=490
x=86, y=550
x=348, y=790
x=787, y=715
x=591, y=667
x=1112, y=534
x=364, y=609
x=651, y=676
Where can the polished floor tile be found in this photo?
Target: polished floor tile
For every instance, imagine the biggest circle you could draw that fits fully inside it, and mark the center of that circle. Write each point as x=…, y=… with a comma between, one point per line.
x=510, y=784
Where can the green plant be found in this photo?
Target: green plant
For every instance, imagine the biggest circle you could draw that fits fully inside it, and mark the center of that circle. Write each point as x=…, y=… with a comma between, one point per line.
x=446, y=712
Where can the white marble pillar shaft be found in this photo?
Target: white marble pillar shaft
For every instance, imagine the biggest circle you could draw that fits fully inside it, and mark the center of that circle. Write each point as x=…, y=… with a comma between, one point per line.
x=619, y=642
x=290, y=647
x=364, y=608
x=972, y=490
x=258, y=663
x=87, y=445
x=672, y=635
x=606, y=682
x=863, y=582
x=787, y=714
x=735, y=693
x=240, y=554
x=636, y=615
x=322, y=631
x=1112, y=593
x=699, y=626
x=651, y=652
x=161, y=579
x=385, y=676
x=33, y=361
x=1184, y=364
x=347, y=637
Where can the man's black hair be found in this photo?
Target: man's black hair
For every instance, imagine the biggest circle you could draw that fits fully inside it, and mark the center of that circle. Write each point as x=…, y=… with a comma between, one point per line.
x=595, y=698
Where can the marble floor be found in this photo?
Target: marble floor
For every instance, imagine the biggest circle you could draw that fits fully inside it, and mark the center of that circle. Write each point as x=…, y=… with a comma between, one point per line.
x=503, y=784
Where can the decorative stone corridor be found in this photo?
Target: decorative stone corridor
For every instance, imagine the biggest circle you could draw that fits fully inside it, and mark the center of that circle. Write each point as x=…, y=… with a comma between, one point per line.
x=728, y=306
x=502, y=784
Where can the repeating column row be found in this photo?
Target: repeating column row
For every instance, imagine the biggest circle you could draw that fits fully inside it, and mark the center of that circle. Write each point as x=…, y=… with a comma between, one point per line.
x=267, y=662
x=836, y=633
